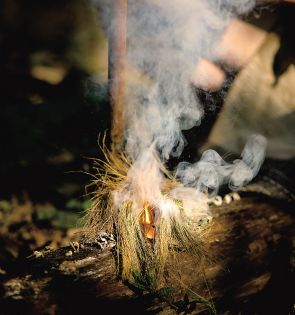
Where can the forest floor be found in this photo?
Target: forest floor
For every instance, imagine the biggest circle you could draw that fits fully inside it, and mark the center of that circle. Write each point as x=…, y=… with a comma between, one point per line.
x=46, y=269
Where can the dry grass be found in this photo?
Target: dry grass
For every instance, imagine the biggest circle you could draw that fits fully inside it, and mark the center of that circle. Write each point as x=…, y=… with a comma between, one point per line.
x=134, y=250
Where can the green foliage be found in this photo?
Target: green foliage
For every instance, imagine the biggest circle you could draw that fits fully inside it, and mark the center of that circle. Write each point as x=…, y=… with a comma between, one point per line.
x=186, y=305
x=5, y=205
x=64, y=219
x=146, y=282
x=47, y=212
x=165, y=293
x=86, y=204
x=78, y=205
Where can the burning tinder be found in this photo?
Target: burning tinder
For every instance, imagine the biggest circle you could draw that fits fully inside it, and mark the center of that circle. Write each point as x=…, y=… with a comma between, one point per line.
x=136, y=198
x=148, y=221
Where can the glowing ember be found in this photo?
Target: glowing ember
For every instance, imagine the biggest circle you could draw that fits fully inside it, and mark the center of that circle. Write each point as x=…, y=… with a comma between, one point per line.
x=148, y=221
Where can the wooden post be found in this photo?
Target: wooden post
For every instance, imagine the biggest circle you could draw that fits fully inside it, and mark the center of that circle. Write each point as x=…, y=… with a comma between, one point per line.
x=117, y=70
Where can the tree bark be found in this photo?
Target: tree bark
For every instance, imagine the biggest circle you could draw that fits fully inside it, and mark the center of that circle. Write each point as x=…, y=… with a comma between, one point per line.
x=251, y=271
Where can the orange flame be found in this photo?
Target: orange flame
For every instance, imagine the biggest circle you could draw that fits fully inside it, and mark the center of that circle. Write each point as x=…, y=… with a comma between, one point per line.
x=147, y=215
x=148, y=221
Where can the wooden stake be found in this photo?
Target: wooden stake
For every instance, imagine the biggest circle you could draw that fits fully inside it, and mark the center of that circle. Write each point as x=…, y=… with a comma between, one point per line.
x=117, y=70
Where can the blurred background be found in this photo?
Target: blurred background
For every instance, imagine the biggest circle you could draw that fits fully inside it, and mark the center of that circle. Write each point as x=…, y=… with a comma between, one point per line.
x=54, y=104
x=51, y=115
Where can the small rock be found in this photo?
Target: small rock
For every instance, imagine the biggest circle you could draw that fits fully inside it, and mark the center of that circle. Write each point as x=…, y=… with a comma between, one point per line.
x=75, y=246
x=13, y=289
x=2, y=272
x=217, y=201
x=112, y=244
x=37, y=254
x=227, y=199
x=235, y=196
x=69, y=253
x=67, y=267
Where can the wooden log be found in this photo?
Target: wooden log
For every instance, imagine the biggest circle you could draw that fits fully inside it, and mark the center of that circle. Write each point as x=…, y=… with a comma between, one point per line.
x=117, y=69
x=251, y=271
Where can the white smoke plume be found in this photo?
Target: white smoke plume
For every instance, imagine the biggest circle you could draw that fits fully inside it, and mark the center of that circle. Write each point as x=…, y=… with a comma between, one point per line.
x=212, y=171
x=166, y=38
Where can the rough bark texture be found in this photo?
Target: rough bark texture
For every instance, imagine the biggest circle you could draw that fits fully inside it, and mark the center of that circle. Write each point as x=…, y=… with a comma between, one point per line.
x=251, y=244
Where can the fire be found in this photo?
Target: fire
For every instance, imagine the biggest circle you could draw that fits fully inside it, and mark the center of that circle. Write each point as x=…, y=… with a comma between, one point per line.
x=148, y=221
x=147, y=215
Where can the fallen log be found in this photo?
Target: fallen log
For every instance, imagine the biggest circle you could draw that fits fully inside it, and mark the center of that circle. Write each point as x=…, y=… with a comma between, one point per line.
x=251, y=245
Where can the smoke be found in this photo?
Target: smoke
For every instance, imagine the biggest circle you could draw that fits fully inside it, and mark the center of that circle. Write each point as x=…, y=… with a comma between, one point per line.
x=166, y=38
x=212, y=171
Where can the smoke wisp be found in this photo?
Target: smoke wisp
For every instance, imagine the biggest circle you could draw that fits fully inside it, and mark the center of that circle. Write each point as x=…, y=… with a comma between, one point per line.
x=166, y=38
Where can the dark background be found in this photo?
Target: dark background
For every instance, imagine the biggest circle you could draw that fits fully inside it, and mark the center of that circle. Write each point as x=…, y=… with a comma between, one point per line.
x=48, y=129
x=53, y=109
